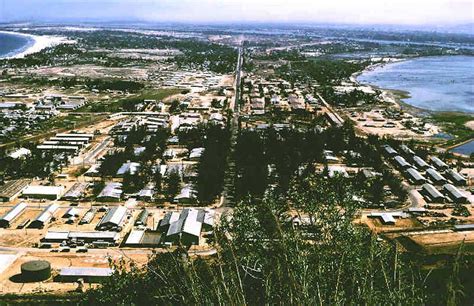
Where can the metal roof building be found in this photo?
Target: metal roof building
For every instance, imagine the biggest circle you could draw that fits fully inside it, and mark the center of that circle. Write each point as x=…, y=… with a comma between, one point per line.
x=91, y=236
x=142, y=218
x=457, y=178
x=435, y=176
x=454, y=194
x=72, y=212
x=414, y=176
x=438, y=163
x=12, y=189
x=420, y=163
x=432, y=193
x=87, y=218
x=7, y=219
x=188, y=226
x=45, y=216
x=390, y=151
x=76, y=191
x=401, y=162
x=89, y=275
x=111, y=192
x=128, y=167
x=113, y=218
x=43, y=192
x=407, y=150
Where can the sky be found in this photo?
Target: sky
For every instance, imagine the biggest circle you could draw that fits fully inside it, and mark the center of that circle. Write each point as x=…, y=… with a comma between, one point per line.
x=406, y=12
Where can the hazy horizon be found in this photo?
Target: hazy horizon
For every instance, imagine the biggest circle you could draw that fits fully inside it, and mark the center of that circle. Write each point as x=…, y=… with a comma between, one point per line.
x=364, y=12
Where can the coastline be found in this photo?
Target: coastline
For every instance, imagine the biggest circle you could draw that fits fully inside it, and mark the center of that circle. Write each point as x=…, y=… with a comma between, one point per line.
x=38, y=43
x=396, y=96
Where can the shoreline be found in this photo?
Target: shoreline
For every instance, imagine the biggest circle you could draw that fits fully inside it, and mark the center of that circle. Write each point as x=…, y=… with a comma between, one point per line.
x=396, y=96
x=38, y=43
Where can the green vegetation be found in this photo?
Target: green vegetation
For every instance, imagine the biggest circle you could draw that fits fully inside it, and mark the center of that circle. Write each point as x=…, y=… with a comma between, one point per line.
x=212, y=164
x=131, y=103
x=454, y=124
x=263, y=259
x=324, y=71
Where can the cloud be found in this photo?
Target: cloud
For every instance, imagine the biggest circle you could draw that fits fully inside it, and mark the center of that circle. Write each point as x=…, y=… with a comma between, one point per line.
x=317, y=11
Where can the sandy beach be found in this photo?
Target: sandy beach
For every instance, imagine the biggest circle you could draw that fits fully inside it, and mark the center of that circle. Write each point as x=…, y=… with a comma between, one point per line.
x=40, y=42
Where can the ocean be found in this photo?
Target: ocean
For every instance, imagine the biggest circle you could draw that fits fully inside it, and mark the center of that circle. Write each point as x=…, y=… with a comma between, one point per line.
x=12, y=44
x=439, y=83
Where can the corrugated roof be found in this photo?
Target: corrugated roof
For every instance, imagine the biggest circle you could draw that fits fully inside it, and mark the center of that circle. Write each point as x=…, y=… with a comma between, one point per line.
x=401, y=161
x=453, y=191
x=432, y=191
x=135, y=237
x=111, y=190
x=115, y=215
x=415, y=174
x=420, y=162
x=86, y=272
x=435, y=175
x=14, y=212
x=48, y=213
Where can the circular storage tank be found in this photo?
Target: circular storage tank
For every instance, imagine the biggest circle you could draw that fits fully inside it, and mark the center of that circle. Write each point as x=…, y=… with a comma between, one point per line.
x=36, y=270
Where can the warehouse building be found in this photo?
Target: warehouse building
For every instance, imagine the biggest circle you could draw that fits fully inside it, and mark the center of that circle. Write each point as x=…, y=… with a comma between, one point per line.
x=113, y=219
x=432, y=194
x=43, y=192
x=76, y=192
x=454, y=194
x=415, y=177
x=420, y=163
x=387, y=218
x=401, y=163
x=111, y=192
x=456, y=178
x=7, y=219
x=142, y=218
x=112, y=238
x=12, y=189
x=186, y=226
x=143, y=239
x=88, y=275
x=435, y=177
x=45, y=216
x=407, y=150
x=390, y=151
x=438, y=163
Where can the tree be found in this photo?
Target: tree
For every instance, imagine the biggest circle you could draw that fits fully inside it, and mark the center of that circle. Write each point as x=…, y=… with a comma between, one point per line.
x=173, y=183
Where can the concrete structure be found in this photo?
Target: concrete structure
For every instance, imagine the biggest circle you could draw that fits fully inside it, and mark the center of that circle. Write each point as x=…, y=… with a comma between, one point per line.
x=35, y=271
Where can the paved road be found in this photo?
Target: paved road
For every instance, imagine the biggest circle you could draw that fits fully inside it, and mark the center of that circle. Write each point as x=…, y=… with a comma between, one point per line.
x=227, y=193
